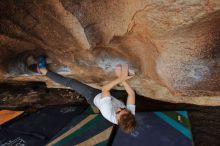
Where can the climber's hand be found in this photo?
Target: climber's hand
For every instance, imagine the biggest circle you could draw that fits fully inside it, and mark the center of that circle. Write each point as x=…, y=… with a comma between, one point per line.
x=124, y=73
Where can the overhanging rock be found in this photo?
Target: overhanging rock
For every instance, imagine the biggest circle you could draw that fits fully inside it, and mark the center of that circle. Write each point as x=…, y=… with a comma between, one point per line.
x=173, y=47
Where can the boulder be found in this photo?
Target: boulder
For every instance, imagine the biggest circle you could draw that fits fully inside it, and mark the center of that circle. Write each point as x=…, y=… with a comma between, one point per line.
x=172, y=46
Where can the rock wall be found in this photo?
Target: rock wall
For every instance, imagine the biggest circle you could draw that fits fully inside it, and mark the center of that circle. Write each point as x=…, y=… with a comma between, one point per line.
x=172, y=46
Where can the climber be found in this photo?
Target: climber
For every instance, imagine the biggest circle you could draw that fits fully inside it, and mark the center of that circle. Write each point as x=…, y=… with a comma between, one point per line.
x=111, y=108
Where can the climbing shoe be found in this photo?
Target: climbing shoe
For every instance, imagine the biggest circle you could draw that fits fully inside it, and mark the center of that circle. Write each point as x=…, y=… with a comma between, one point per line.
x=41, y=62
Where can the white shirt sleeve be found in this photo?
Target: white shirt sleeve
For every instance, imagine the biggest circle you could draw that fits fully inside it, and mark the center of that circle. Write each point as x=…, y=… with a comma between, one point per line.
x=131, y=107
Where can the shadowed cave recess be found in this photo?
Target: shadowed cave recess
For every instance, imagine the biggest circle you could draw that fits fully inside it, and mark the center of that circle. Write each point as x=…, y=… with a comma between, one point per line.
x=172, y=46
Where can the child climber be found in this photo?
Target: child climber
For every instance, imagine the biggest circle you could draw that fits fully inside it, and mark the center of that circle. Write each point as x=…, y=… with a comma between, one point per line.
x=111, y=108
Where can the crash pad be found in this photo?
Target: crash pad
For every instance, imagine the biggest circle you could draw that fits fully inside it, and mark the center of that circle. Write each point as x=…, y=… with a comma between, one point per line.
x=7, y=115
x=85, y=129
x=170, y=128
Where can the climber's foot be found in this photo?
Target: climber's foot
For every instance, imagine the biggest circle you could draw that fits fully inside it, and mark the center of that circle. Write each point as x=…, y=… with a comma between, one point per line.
x=41, y=64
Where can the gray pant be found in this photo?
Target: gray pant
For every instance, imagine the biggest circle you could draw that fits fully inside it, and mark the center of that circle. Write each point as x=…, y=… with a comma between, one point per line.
x=88, y=92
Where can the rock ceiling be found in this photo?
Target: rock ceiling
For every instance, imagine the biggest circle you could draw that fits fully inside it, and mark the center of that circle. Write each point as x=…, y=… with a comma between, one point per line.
x=172, y=46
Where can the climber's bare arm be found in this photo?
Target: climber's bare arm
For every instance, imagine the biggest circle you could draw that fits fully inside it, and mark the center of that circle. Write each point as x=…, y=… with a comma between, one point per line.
x=131, y=93
x=122, y=75
x=106, y=88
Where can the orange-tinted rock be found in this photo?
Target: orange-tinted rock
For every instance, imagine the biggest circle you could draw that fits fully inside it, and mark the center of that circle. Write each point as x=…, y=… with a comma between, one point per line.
x=173, y=46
